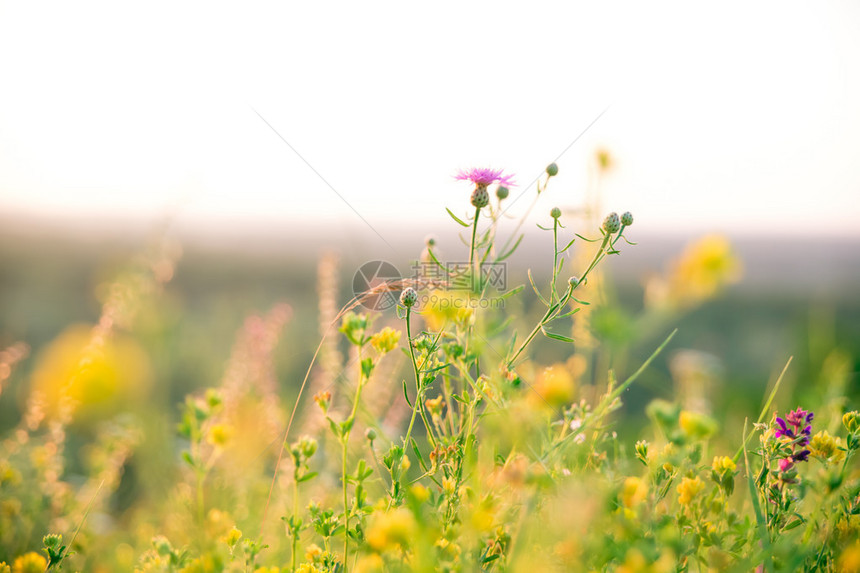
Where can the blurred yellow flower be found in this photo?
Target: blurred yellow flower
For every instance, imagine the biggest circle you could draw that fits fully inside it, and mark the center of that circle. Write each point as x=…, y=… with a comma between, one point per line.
x=723, y=464
x=308, y=568
x=555, y=386
x=849, y=561
x=4, y=568
x=232, y=537
x=689, y=489
x=313, y=552
x=826, y=448
x=448, y=307
x=219, y=435
x=30, y=562
x=702, y=270
x=370, y=564
x=633, y=492
x=385, y=340
x=100, y=378
x=697, y=426
x=391, y=529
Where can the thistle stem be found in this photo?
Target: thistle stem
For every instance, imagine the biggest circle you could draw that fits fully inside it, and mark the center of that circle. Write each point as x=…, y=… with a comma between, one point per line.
x=472, y=258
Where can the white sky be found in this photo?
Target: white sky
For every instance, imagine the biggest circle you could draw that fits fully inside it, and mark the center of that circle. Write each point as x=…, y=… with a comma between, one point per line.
x=735, y=116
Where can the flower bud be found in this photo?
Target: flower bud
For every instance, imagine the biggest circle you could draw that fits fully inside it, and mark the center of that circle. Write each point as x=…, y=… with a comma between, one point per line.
x=641, y=448
x=851, y=421
x=409, y=297
x=370, y=434
x=502, y=192
x=627, y=219
x=430, y=241
x=612, y=224
x=555, y=213
x=552, y=169
x=480, y=197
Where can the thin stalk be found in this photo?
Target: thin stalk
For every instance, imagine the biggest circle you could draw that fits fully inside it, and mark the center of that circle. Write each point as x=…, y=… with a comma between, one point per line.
x=295, y=519
x=344, y=445
x=472, y=258
x=345, y=508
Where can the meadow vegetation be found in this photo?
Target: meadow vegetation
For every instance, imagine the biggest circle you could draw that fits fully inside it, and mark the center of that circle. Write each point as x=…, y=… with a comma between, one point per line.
x=428, y=434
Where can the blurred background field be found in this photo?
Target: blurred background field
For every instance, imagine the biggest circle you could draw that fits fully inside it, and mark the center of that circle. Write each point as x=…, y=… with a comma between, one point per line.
x=796, y=297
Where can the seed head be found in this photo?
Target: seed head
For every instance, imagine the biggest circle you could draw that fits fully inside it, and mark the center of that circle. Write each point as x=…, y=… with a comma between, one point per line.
x=552, y=169
x=408, y=297
x=480, y=197
x=612, y=224
x=555, y=213
x=627, y=219
x=502, y=192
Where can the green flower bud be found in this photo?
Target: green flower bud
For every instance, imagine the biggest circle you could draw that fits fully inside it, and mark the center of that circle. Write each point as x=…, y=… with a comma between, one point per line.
x=502, y=192
x=612, y=224
x=52, y=540
x=851, y=421
x=552, y=169
x=408, y=297
x=641, y=448
x=555, y=213
x=627, y=219
x=480, y=197
x=370, y=434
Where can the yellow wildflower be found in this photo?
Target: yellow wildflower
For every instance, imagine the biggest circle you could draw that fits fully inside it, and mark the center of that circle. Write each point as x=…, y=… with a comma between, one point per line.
x=724, y=464
x=849, y=561
x=633, y=492
x=555, y=386
x=826, y=448
x=697, y=426
x=308, y=568
x=689, y=489
x=434, y=405
x=448, y=308
x=385, y=340
x=704, y=268
x=313, y=552
x=420, y=493
x=30, y=562
x=4, y=568
x=391, y=529
x=219, y=435
x=370, y=564
x=232, y=537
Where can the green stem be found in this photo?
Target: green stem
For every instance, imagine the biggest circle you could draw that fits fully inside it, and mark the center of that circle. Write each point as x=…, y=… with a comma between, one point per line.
x=472, y=258
x=417, y=376
x=345, y=506
x=295, y=531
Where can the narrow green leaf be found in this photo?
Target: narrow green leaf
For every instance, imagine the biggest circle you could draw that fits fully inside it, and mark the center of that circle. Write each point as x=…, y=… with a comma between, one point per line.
x=456, y=218
x=555, y=336
x=764, y=536
x=510, y=251
x=537, y=292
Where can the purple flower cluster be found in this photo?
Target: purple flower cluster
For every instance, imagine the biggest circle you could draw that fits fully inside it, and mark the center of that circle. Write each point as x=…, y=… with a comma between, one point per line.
x=483, y=177
x=796, y=427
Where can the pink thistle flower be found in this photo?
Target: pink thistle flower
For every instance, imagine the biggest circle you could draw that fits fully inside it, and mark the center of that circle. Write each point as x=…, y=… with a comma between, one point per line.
x=484, y=176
